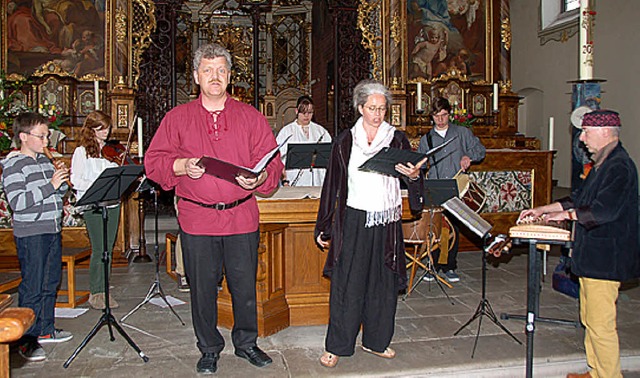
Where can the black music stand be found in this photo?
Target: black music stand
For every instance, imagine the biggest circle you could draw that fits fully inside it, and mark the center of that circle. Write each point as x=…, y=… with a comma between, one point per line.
x=303, y=156
x=480, y=227
x=106, y=190
x=533, y=296
x=436, y=192
x=156, y=288
x=439, y=191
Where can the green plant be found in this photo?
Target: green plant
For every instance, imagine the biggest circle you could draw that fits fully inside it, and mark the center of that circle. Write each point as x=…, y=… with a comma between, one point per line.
x=5, y=138
x=10, y=107
x=8, y=110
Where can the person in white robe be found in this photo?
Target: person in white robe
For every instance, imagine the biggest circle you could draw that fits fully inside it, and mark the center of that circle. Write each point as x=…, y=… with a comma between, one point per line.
x=302, y=130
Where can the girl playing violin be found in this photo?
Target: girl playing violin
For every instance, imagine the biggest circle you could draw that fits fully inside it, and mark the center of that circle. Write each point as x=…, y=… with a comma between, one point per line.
x=87, y=164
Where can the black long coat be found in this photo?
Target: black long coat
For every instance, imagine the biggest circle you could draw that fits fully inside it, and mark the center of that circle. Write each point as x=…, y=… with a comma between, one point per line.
x=333, y=203
x=606, y=236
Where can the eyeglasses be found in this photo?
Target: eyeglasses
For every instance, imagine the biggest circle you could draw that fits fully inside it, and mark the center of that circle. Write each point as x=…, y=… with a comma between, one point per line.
x=41, y=137
x=373, y=109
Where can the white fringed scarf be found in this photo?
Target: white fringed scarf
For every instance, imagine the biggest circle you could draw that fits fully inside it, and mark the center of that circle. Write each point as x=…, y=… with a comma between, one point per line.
x=377, y=194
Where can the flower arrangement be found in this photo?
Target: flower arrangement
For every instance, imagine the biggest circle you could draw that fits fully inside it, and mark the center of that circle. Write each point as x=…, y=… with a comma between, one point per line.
x=52, y=114
x=5, y=138
x=10, y=107
x=459, y=116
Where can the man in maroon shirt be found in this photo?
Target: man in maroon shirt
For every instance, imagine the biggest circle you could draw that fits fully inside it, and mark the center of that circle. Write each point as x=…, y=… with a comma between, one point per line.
x=218, y=219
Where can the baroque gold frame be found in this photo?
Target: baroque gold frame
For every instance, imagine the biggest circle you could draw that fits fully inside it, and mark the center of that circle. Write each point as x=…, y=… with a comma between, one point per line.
x=127, y=29
x=384, y=34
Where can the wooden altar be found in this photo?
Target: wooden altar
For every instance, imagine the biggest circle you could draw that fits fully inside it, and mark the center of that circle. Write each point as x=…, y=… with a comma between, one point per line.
x=291, y=290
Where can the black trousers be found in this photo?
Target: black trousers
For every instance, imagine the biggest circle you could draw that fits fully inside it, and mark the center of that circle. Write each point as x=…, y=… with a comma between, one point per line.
x=204, y=259
x=363, y=290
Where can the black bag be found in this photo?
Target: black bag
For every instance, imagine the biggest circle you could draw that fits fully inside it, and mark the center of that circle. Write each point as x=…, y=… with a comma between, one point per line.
x=563, y=280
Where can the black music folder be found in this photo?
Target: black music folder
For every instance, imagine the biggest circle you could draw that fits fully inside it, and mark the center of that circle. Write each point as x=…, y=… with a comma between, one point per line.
x=229, y=171
x=386, y=159
x=438, y=191
x=308, y=155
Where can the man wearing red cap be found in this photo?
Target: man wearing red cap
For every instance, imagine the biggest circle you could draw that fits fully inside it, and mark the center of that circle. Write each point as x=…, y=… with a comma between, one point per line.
x=605, y=253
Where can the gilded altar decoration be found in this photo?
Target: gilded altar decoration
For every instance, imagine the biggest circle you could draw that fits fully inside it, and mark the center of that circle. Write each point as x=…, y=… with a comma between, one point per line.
x=505, y=33
x=369, y=25
x=395, y=29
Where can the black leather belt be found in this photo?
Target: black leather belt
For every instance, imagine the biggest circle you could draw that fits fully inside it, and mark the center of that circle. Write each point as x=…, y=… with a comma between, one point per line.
x=220, y=205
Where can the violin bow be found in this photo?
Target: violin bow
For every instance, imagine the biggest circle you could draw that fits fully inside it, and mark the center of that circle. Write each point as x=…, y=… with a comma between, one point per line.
x=126, y=151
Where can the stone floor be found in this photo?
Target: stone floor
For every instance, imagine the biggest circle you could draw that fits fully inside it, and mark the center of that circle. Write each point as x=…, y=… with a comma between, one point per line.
x=424, y=340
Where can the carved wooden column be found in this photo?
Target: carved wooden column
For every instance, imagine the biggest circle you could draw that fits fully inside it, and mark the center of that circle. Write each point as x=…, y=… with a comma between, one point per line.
x=507, y=116
x=352, y=62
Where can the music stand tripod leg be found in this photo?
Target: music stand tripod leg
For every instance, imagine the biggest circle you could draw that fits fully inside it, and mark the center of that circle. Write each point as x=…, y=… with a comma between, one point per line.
x=156, y=288
x=484, y=307
x=430, y=270
x=106, y=318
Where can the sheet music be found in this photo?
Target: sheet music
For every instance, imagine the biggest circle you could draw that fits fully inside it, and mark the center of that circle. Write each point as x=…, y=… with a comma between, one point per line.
x=468, y=217
x=228, y=171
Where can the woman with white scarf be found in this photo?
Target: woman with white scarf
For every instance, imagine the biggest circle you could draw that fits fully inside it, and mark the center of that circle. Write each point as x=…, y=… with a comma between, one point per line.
x=360, y=212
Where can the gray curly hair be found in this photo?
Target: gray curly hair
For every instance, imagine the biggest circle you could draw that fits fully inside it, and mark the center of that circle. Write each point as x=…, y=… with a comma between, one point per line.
x=366, y=88
x=210, y=51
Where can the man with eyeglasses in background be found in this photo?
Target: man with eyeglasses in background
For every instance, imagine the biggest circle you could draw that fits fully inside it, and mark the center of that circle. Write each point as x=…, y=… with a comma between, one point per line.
x=445, y=164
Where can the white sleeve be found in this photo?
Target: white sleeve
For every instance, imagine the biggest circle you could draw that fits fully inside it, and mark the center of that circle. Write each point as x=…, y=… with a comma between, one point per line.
x=79, y=165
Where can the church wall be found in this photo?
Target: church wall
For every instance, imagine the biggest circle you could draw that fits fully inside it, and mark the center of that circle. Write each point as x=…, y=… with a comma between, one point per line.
x=547, y=68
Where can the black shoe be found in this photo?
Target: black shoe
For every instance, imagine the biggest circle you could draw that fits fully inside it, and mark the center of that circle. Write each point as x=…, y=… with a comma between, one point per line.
x=208, y=363
x=254, y=355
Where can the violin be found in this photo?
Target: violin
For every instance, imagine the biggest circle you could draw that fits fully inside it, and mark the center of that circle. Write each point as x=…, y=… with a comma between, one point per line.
x=115, y=152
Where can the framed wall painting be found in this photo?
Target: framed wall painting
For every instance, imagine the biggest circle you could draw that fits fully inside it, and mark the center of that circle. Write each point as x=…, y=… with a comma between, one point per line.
x=419, y=40
x=70, y=33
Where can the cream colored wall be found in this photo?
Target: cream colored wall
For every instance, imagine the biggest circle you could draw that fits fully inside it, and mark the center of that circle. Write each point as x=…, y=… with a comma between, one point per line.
x=548, y=68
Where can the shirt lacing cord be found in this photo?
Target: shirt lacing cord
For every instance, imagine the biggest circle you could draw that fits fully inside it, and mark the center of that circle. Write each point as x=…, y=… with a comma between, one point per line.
x=214, y=127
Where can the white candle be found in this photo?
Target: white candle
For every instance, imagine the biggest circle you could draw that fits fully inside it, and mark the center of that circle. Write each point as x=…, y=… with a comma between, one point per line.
x=551, y=127
x=495, y=97
x=96, y=94
x=1, y=90
x=140, y=152
x=419, y=95
x=586, y=44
